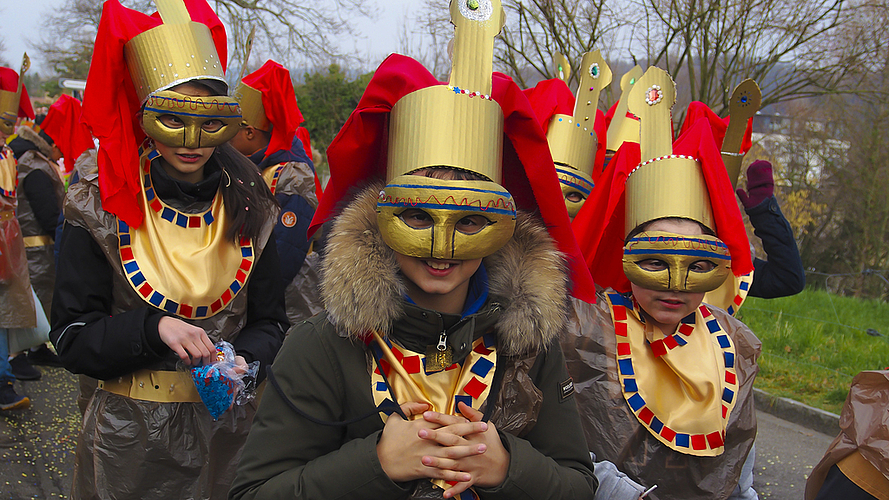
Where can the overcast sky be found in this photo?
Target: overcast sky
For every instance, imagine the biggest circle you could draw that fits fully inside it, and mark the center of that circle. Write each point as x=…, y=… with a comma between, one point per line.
x=20, y=21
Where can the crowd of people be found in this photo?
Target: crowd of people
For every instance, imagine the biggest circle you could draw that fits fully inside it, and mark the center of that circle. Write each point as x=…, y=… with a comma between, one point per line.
x=492, y=297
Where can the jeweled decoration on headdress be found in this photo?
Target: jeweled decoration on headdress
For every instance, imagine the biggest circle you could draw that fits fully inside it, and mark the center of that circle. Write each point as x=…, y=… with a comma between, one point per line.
x=562, y=67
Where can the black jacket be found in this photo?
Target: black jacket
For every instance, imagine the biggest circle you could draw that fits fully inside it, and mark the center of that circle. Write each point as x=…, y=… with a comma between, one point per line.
x=104, y=346
x=783, y=274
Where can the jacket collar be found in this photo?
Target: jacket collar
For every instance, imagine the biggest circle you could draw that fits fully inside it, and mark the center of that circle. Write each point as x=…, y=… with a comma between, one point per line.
x=363, y=290
x=296, y=153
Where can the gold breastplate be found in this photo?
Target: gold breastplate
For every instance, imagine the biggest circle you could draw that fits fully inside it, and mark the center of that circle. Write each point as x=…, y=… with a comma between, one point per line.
x=180, y=262
x=681, y=387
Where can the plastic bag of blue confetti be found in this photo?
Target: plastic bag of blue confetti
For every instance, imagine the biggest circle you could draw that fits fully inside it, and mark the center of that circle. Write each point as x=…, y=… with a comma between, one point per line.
x=223, y=383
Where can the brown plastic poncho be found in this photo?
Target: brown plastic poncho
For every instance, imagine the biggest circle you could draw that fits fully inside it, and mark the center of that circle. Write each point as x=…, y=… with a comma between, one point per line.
x=41, y=259
x=302, y=296
x=182, y=452
x=614, y=433
x=17, y=308
x=864, y=427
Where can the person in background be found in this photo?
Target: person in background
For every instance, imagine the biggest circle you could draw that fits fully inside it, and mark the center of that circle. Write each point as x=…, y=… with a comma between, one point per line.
x=782, y=274
x=268, y=136
x=575, y=128
x=17, y=306
x=856, y=465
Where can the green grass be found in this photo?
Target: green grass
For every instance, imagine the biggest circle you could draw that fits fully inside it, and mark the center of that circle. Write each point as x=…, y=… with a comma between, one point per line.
x=815, y=342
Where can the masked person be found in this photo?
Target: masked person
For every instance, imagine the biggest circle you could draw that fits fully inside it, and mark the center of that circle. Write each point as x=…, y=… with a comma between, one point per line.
x=17, y=304
x=268, y=136
x=665, y=381
x=856, y=465
x=40, y=195
x=165, y=253
x=575, y=128
x=435, y=370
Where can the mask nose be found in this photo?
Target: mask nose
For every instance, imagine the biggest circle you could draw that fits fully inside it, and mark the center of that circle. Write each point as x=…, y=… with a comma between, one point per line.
x=192, y=138
x=442, y=242
x=677, y=277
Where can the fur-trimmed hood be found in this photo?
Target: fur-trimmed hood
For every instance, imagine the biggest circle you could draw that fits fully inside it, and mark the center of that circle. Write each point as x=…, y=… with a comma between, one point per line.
x=363, y=289
x=28, y=134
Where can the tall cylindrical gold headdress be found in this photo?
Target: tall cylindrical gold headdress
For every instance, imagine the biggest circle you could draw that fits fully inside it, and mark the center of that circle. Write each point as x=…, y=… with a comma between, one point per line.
x=664, y=184
x=623, y=129
x=177, y=51
x=458, y=125
x=571, y=138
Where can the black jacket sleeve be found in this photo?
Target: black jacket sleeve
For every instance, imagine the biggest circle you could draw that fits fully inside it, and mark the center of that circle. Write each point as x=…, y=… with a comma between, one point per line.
x=41, y=195
x=88, y=338
x=263, y=333
x=783, y=273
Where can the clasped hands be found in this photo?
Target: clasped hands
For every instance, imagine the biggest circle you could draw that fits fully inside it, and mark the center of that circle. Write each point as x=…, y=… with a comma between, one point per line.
x=460, y=449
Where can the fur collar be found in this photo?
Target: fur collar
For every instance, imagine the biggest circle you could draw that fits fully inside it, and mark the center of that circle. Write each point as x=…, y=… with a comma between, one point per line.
x=362, y=288
x=28, y=134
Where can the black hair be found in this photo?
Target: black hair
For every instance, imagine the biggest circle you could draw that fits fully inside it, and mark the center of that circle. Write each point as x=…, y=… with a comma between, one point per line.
x=645, y=225
x=248, y=202
x=46, y=137
x=451, y=174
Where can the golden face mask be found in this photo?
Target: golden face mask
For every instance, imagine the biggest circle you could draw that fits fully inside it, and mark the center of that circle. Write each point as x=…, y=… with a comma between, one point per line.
x=576, y=188
x=177, y=120
x=445, y=219
x=658, y=260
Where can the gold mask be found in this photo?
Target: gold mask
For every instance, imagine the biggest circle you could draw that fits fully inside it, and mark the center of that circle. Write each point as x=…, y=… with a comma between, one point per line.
x=438, y=230
x=574, y=182
x=197, y=116
x=678, y=256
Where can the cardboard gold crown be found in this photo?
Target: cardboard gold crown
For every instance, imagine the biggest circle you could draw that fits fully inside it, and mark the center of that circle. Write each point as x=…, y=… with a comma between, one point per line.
x=250, y=99
x=623, y=129
x=10, y=101
x=177, y=51
x=745, y=102
x=458, y=125
x=664, y=184
x=572, y=138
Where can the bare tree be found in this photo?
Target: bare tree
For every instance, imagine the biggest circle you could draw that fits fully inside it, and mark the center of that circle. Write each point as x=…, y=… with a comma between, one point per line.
x=425, y=36
x=536, y=29
x=292, y=31
x=788, y=46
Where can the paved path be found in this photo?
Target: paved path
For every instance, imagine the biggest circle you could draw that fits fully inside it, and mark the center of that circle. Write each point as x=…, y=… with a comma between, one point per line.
x=37, y=445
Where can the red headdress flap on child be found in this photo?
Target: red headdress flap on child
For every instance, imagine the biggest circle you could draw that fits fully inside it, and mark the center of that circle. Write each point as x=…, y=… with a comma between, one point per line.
x=278, y=103
x=63, y=124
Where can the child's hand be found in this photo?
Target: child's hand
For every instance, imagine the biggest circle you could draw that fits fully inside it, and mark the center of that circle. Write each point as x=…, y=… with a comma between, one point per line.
x=189, y=342
x=401, y=449
x=240, y=365
x=472, y=446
